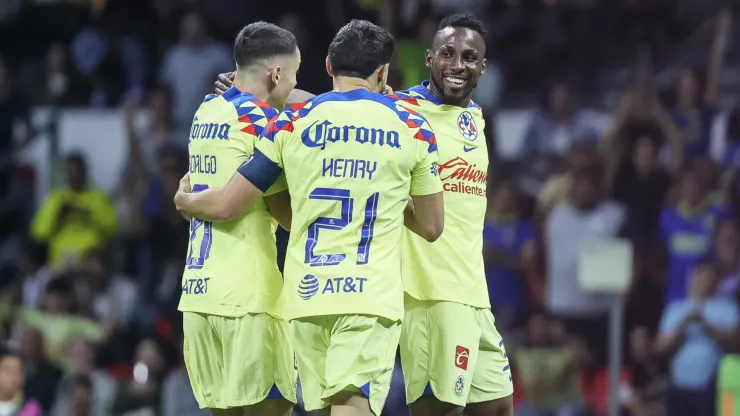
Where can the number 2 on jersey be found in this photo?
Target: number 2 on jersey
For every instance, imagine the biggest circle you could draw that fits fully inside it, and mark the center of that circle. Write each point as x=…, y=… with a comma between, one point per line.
x=343, y=197
x=205, y=243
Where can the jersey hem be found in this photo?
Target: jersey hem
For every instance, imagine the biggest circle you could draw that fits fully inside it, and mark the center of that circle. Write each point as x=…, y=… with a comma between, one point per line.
x=447, y=299
x=395, y=317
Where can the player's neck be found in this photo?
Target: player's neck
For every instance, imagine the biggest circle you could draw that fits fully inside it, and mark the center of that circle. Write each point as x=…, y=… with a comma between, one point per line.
x=245, y=83
x=344, y=84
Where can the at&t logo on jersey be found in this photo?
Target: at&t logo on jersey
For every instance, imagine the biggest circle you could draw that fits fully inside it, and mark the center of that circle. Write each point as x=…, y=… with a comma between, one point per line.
x=462, y=355
x=467, y=127
x=310, y=285
x=460, y=176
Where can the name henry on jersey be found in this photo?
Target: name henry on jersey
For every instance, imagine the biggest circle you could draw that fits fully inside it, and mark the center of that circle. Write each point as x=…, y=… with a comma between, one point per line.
x=460, y=176
x=209, y=131
x=319, y=134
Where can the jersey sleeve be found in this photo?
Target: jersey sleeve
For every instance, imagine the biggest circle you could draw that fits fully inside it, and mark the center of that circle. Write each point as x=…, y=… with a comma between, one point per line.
x=265, y=167
x=425, y=175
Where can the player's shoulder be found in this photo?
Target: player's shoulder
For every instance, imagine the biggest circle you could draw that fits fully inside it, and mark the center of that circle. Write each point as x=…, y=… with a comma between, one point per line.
x=362, y=98
x=248, y=107
x=418, y=95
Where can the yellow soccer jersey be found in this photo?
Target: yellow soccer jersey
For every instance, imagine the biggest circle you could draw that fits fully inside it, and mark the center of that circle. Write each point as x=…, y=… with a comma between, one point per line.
x=351, y=161
x=451, y=268
x=231, y=267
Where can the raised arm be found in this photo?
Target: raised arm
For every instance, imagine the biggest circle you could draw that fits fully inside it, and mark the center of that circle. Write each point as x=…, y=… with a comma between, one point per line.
x=719, y=48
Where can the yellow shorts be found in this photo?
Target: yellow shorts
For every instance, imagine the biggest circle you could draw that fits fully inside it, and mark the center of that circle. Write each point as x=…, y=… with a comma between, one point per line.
x=234, y=362
x=454, y=352
x=345, y=352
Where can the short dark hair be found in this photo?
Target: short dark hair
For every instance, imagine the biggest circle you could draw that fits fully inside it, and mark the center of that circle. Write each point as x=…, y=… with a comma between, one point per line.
x=262, y=40
x=77, y=158
x=462, y=20
x=359, y=48
x=61, y=285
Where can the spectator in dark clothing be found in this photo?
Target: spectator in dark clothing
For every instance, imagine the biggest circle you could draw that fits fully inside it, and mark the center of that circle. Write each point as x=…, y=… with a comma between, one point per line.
x=649, y=386
x=42, y=377
x=641, y=185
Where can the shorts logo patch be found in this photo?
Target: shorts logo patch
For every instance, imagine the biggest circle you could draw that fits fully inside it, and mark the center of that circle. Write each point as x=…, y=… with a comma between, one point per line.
x=459, y=385
x=461, y=357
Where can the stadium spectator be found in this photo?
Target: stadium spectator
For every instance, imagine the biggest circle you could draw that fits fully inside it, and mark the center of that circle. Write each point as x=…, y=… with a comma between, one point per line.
x=58, y=322
x=509, y=254
x=188, y=67
x=695, y=333
x=42, y=377
x=687, y=232
x=142, y=392
x=641, y=185
x=34, y=274
x=12, y=376
x=585, y=217
x=111, y=298
x=553, y=131
x=649, y=388
x=56, y=83
x=75, y=218
x=557, y=188
x=82, y=364
x=547, y=370
x=177, y=395
x=694, y=106
x=78, y=398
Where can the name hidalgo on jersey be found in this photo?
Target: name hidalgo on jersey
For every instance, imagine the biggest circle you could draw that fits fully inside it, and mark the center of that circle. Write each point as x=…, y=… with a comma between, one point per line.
x=460, y=176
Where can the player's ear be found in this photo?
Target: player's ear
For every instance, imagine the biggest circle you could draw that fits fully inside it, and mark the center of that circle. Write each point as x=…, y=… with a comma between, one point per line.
x=383, y=74
x=483, y=66
x=275, y=73
x=328, y=67
x=428, y=58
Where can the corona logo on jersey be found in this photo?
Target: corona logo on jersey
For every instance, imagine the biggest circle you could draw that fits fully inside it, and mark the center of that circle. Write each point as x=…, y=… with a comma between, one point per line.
x=467, y=127
x=208, y=130
x=320, y=134
x=460, y=176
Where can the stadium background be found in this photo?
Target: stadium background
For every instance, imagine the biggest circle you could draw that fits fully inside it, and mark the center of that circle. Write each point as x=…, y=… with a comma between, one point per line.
x=106, y=89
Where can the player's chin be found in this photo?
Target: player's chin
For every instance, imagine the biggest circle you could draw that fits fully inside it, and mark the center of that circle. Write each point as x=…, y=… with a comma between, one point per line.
x=456, y=93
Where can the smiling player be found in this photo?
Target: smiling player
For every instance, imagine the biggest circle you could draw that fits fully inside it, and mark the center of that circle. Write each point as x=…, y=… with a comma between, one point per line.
x=451, y=353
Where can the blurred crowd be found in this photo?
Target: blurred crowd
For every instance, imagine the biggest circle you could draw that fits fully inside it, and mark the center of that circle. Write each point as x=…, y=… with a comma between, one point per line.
x=91, y=279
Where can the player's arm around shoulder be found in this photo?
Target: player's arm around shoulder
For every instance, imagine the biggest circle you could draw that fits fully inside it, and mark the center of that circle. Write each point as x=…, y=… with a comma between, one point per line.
x=278, y=205
x=216, y=204
x=252, y=180
x=424, y=214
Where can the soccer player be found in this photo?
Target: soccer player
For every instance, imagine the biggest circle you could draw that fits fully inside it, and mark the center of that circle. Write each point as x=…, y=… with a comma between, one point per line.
x=451, y=353
x=236, y=343
x=351, y=158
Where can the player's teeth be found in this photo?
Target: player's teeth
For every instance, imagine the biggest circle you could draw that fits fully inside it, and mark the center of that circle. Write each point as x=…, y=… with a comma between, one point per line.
x=458, y=81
